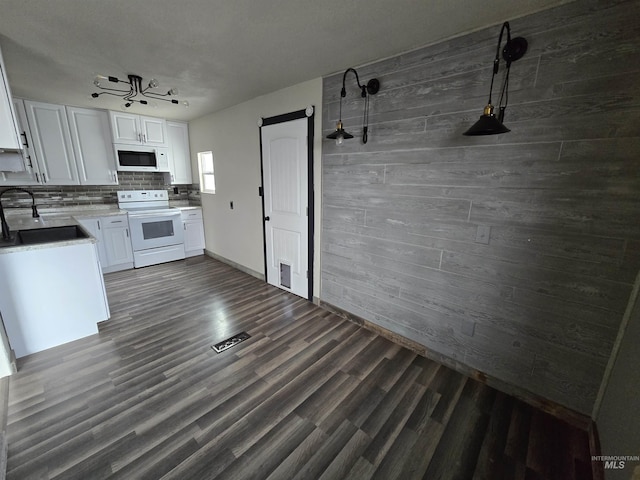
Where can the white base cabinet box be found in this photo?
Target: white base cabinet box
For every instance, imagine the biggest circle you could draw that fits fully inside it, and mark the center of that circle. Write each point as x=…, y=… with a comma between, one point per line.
x=51, y=295
x=193, y=231
x=114, y=242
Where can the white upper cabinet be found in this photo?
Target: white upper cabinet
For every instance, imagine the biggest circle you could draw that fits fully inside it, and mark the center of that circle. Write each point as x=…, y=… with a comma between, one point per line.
x=132, y=129
x=179, y=155
x=92, y=146
x=52, y=143
x=30, y=175
x=154, y=131
x=9, y=134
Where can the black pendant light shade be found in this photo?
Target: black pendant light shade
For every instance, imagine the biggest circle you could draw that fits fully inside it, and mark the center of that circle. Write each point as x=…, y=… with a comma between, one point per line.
x=340, y=134
x=489, y=124
x=370, y=88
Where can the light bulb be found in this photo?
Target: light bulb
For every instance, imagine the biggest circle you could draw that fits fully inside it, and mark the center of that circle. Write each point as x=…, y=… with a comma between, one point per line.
x=173, y=91
x=153, y=83
x=96, y=82
x=339, y=140
x=186, y=104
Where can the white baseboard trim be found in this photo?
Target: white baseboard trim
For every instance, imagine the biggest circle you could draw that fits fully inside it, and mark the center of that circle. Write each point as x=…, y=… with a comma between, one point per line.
x=242, y=268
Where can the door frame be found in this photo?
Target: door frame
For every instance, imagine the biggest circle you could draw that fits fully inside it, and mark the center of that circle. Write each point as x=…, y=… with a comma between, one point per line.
x=309, y=114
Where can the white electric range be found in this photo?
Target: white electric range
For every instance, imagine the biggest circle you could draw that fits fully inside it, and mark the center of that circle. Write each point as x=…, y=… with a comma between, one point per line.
x=157, y=234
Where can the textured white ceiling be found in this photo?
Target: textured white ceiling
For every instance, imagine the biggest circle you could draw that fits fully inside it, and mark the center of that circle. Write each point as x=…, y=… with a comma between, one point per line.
x=219, y=53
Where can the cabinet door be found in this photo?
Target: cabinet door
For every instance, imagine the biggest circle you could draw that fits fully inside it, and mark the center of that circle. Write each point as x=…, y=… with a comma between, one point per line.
x=52, y=143
x=125, y=128
x=154, y=131
x=117, y=245
x=94, y=227
x=92, y=146
x=193, y=235
x=179, y=155
x=9, y=137
x=30, y=176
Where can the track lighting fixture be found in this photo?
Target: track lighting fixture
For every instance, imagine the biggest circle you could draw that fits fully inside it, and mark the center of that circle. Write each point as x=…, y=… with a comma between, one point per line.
x=136, y=92
x=371, y=88
x=488, y=124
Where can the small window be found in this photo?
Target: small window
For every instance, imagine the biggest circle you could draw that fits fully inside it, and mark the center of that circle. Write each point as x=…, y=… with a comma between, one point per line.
x=207, y=178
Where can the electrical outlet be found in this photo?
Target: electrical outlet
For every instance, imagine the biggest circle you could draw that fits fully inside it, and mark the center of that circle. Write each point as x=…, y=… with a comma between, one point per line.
x=175, y=190
x=231, y=205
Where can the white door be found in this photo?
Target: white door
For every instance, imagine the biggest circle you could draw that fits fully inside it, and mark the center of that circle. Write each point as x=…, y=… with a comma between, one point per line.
x=30, y=176
x=125, y=128
x=154, y=131
x=92, y=145
x=179, y=156
x=284, y=156
x=52, y=143
x=117, y=245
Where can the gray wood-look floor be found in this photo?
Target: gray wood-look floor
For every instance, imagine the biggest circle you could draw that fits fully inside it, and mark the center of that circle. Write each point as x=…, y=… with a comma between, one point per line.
x=309, y=395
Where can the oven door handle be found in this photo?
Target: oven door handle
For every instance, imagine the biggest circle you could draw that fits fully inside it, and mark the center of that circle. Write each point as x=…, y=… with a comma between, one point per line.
x=157, y=215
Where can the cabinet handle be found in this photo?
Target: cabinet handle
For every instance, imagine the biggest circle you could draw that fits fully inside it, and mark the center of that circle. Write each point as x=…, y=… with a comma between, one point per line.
x=116, y=221
x=127, y=230
x=37, y=178
x=98, y=224
x=26, y=142
x=184, y=225
x=44, y=178
x=29, y=160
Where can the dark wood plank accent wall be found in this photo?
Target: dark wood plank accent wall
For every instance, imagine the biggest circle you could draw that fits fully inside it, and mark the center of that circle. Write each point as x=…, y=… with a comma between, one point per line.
x=511, y=254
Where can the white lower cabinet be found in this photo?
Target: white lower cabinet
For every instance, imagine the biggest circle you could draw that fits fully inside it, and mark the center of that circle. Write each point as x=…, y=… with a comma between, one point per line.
x=193, y=231
x=114, y=242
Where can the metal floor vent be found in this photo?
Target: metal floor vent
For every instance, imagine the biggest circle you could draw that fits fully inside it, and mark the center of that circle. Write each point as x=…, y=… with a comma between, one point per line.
x=230, y=342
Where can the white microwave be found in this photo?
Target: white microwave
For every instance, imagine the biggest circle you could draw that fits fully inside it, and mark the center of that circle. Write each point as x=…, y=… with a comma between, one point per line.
x=141, y=158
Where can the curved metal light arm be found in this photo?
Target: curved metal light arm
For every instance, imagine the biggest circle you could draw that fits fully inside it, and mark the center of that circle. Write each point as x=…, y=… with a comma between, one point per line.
x=135, y=89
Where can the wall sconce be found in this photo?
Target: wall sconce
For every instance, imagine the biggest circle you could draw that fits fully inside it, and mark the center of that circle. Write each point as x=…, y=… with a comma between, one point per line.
x=371, y=88
x=136, y=92
x=488, y=124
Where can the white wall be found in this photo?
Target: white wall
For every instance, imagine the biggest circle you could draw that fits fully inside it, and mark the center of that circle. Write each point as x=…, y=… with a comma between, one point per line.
x=234, y=138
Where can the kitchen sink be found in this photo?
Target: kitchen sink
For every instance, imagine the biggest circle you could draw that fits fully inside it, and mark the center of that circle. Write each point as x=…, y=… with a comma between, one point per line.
x=49, y=234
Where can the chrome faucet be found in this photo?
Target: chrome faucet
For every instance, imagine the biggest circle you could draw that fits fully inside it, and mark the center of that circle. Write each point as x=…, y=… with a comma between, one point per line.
x=6, y=233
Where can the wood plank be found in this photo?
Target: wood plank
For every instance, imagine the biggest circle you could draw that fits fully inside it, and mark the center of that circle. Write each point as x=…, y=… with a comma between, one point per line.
x=350, y=404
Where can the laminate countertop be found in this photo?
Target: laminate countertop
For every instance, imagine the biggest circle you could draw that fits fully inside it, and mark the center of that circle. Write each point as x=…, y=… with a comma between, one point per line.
x=21, y=219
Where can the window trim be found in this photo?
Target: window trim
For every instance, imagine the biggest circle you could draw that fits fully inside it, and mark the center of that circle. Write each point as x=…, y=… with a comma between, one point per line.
x=202, y=173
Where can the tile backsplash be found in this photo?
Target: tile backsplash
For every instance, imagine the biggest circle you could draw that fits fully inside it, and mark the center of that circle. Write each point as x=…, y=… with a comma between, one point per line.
x=80, y=195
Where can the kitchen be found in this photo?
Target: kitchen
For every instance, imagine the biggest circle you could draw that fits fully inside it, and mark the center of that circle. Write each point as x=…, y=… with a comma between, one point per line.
x=550, y=336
